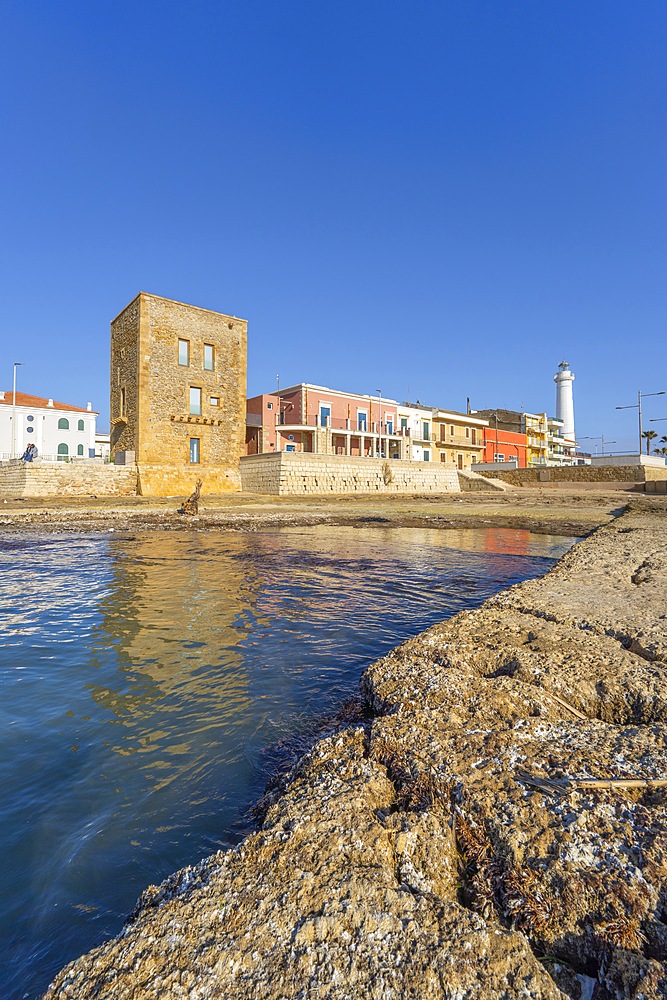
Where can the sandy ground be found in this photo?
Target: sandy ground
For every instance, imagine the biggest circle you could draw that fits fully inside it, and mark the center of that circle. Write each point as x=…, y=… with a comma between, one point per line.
x=571, y=512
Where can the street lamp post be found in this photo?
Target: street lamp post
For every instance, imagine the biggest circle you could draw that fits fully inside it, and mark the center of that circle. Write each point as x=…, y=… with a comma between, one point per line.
x=379, y=392
x=638, y=406
x=599, y=438
x=17, y=364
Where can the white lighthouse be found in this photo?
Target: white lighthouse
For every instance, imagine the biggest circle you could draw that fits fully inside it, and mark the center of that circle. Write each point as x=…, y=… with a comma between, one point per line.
x=564, y=402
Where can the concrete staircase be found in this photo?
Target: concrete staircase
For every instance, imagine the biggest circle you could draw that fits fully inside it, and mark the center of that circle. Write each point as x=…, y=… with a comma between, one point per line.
x=472, y=482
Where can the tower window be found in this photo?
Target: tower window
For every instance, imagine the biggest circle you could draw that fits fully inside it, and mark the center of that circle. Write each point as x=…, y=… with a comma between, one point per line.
x=194, y=451
x=82, y=426
x=195, y=401
x=63, y=424
x=209, y=357
x=184, y=353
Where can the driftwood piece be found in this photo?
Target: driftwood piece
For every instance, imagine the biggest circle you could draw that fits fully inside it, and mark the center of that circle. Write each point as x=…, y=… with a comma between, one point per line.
x=570, y=708
x=191, y=505
x=566, y=784
x=618, y=782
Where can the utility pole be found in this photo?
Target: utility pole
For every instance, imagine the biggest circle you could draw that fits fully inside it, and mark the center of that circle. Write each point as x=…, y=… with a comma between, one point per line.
x=17, y=364
x=638, y=406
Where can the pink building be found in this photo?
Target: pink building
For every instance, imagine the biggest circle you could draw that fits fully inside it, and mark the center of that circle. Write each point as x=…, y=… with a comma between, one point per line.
x=327, y=421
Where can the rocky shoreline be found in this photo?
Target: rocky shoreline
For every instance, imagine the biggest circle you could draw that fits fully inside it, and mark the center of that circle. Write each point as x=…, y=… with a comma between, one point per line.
x=573, y=512
x=495, y=826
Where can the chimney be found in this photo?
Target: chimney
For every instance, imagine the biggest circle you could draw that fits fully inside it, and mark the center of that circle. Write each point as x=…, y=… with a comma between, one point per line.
x=50, y=403
x=89, y=406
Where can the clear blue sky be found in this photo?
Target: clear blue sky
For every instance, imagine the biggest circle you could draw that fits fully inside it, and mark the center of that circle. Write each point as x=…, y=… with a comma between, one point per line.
x=445, y=197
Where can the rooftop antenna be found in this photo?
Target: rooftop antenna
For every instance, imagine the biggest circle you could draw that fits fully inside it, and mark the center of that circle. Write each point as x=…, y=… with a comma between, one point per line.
x=277, y=385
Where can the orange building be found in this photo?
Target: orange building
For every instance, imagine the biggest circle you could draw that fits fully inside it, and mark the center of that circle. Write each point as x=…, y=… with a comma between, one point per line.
x=504, y=446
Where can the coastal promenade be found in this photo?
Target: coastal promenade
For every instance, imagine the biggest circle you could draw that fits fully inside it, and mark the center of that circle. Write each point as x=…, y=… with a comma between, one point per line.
x=492, y=824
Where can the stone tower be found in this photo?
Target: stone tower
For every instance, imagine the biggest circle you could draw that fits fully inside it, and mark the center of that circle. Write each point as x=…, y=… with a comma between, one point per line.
x=564, y=402
x=178, y=386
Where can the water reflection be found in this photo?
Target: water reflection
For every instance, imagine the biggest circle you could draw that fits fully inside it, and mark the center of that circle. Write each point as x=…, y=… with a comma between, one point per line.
x=144, y=678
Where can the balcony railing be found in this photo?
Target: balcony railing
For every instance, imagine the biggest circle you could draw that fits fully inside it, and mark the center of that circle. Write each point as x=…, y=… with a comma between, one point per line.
x=339, y=424
x=458, y=442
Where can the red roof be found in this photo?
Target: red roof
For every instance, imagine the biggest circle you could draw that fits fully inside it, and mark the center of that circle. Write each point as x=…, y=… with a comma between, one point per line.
x=39, y=402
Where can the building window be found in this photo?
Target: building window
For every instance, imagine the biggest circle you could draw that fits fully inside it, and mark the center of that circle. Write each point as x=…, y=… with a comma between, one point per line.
x=443, y=456
x=63, y=452
x=81, y=425
x=209, y=357
x=122, y=402
x=467, y=432
x=426, y=428
x=427, y=456
x=30, y=418
x=362, y=418
x=195, y=401
x=390, y=424
x=184, y=353
x=269, y=406
x=79, y=450
x=214, y=400
x=63, y=424
x=451, y=429
x=325, y=415
x=30, y=430
x=404, y=423
x=194, y=451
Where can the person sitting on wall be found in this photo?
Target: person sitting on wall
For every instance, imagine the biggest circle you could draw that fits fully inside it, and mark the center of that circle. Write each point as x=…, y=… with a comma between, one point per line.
x=27, y=455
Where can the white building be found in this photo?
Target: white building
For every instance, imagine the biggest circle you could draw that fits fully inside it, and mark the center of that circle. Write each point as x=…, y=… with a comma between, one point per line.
x=60, y=432
x=416, y=422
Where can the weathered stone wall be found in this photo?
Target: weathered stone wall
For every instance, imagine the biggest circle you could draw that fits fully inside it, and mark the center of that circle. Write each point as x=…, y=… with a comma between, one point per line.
x=123, y=376
x=169, y=480
x=18, y=479
x=301, y=473
x=158, y=424
x=583, y=474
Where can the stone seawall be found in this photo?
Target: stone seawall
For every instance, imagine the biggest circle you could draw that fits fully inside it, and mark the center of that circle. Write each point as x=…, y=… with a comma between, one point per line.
x=300, y=473
x=494, y=825
x=18, y=479
x=604, y=474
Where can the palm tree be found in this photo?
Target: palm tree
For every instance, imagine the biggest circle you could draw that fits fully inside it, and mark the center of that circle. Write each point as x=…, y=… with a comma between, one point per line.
x=649, y=435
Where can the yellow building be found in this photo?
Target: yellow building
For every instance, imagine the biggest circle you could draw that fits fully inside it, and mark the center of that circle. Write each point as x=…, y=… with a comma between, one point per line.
x=177, y=400
x=537, y=440
x=458, y=438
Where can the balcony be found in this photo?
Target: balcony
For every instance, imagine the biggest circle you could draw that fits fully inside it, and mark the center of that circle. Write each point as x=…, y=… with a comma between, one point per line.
x=458, y=442
x=345, y=425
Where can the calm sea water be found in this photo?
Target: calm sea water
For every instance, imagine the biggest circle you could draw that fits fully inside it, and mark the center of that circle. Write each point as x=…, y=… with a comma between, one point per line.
x=145, y=680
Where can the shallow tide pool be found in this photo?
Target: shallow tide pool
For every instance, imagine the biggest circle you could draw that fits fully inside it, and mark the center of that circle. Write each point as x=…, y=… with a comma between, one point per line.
x=146, y=681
